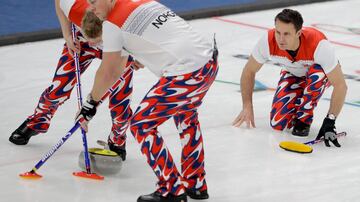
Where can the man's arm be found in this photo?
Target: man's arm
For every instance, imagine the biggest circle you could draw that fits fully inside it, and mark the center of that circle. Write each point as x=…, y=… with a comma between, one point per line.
x=327, y=130
x=65, y=28
x=247, y=83
x=111, y=68
x=336, y=79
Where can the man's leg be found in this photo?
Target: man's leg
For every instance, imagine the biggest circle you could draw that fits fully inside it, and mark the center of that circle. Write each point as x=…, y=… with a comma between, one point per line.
x=151, y=113
x=289, y=89
x=119, y=105
x=316, y=82
x=192, y=157
x=56, y=94
x=161, y=103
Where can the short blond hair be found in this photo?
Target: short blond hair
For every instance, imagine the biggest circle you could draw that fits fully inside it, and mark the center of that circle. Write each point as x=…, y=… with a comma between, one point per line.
x=91, y=25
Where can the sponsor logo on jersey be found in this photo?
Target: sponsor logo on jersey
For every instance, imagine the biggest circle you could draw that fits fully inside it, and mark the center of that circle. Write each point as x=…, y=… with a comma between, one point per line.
x=163, y=18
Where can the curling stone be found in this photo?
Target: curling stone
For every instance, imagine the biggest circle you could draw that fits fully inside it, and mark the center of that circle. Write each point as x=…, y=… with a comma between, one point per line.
x=102, y=161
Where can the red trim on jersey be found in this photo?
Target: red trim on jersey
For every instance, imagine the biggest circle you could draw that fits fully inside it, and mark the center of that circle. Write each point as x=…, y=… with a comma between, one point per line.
x=310, y=39
x=122, y=10
x=77, y=11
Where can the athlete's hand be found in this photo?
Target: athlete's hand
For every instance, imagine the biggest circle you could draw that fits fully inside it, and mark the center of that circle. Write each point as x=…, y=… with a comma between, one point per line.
x=87, y=112
x=73, y=47
x=328, y=132
x=247, y=116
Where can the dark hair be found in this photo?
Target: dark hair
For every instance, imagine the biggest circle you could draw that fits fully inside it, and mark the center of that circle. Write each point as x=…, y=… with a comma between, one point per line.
x=290, y=16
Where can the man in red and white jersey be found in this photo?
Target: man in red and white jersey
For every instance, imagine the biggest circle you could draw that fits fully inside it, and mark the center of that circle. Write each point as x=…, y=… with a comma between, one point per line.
x=186, y=64
x=72, y=11
x=309, y=64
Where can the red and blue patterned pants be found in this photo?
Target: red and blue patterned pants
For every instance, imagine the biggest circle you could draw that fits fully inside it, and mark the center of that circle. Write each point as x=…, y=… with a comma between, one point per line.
x=63, y=83
x=175, y=97
x=296, y=97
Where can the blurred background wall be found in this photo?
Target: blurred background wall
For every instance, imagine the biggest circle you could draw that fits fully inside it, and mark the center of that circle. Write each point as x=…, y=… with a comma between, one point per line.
x=33, y=20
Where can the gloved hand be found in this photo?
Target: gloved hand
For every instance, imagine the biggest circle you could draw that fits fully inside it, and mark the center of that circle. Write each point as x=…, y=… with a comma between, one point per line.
x=87, y=112
x=328, y=132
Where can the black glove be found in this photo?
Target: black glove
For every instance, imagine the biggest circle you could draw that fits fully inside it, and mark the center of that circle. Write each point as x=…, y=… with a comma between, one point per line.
x=88, y=110
x=328, y=132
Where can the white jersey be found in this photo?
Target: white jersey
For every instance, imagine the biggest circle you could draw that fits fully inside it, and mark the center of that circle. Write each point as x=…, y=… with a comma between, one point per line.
x=314, y=49
x=75, y=10
x=66, y=5
x=155, y=36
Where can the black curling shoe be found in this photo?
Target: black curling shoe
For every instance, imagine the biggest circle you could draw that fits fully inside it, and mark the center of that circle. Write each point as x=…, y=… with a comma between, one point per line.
x=196, y=194
x=300, y=129
x=157, y=197
x=22, y=134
